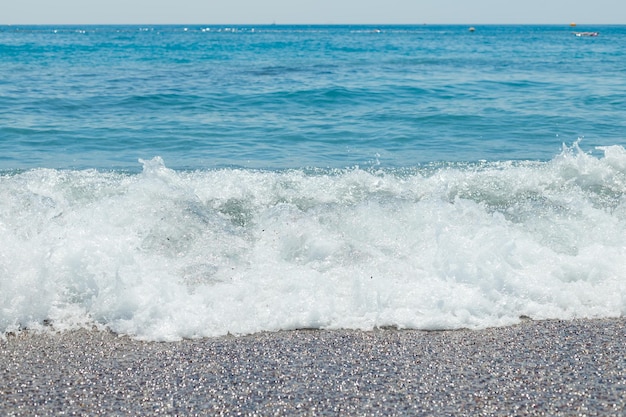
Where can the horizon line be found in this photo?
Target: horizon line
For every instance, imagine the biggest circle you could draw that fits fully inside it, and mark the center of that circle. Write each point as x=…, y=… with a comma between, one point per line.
x=569, y=24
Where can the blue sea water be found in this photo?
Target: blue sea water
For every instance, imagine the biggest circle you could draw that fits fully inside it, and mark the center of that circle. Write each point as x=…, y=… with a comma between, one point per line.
x=189, y=181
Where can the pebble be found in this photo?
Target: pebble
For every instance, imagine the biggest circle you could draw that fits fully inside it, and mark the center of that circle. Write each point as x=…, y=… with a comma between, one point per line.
x=536, y=368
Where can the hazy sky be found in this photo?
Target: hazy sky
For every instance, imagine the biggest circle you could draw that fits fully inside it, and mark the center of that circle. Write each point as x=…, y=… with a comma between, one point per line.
x=311, y=11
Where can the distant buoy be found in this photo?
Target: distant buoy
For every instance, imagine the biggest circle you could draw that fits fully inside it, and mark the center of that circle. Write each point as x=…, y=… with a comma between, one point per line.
x=472, y=29
x=572, y=24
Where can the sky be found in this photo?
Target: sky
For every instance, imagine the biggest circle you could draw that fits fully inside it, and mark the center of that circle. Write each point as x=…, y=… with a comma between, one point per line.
x=312, y=11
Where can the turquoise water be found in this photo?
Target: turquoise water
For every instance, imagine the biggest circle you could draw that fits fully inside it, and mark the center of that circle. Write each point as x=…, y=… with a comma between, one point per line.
x=172, y=181
x=304, y=96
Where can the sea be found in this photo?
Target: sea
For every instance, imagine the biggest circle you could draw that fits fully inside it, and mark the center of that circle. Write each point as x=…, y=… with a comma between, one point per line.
x=189, y=181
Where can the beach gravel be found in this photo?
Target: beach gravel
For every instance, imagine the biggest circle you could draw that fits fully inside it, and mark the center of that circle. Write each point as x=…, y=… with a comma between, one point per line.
x=552, y=368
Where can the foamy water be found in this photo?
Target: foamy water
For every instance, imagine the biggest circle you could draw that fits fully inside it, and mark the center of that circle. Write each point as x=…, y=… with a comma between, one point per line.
x=165, y=254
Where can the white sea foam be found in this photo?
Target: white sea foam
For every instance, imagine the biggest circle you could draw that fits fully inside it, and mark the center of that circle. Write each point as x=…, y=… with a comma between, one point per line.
x=163, y=255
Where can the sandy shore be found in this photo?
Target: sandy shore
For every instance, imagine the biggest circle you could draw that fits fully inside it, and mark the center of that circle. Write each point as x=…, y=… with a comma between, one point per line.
x=536, y=368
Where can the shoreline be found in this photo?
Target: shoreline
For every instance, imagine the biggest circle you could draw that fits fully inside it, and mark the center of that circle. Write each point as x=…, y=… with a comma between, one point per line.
x=552, y=367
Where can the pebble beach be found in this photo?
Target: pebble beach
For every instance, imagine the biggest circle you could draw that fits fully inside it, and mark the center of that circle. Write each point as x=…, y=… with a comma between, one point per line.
x=535, y=368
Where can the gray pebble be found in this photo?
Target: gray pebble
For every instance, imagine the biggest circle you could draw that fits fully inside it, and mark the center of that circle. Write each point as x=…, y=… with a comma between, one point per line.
x=552, y=368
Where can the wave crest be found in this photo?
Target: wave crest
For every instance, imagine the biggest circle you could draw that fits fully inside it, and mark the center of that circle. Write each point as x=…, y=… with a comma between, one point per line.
x=167, y=254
